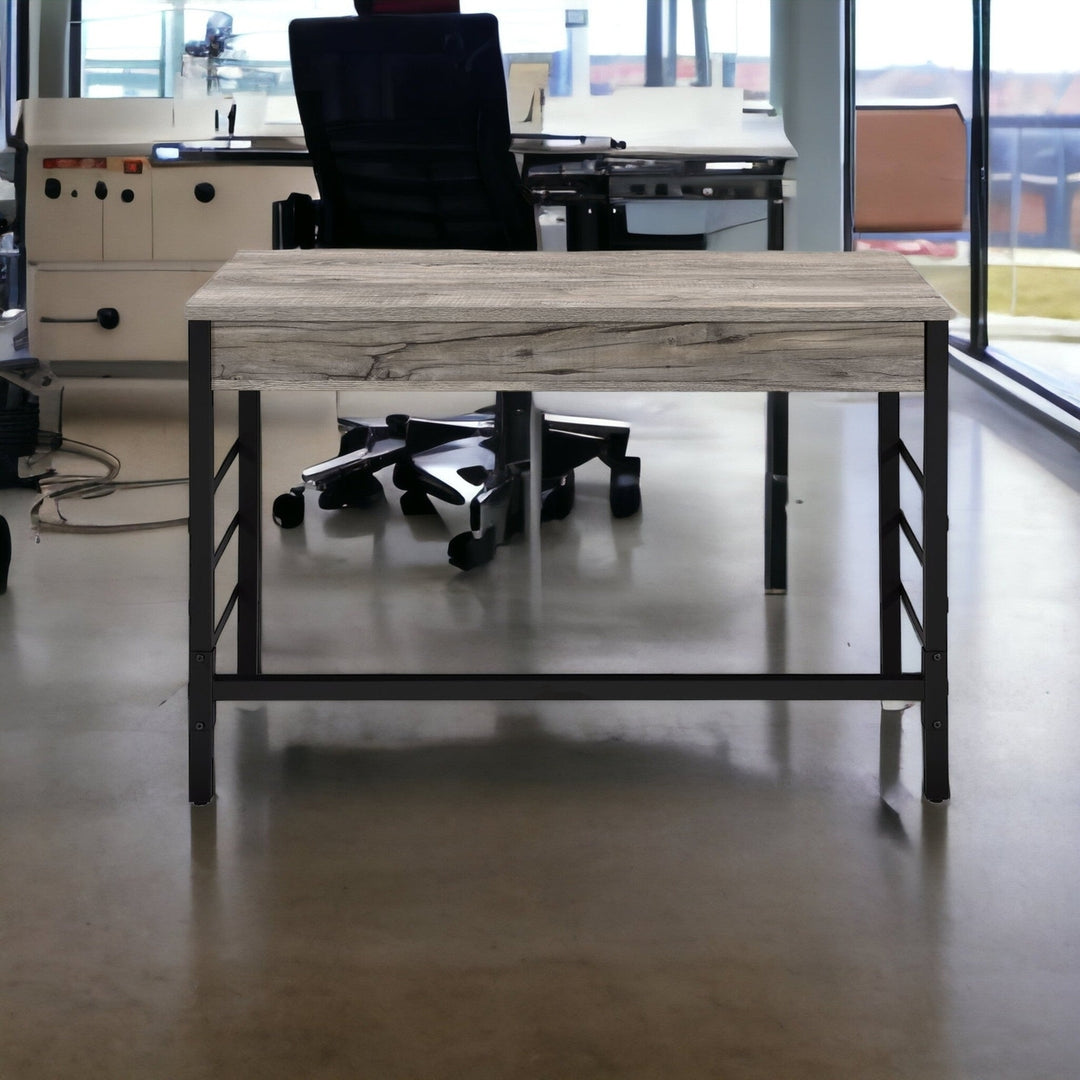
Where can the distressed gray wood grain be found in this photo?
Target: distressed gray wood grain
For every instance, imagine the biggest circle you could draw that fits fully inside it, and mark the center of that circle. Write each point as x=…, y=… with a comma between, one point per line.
x=573, y=320
x=602, y=356
x=639, y=286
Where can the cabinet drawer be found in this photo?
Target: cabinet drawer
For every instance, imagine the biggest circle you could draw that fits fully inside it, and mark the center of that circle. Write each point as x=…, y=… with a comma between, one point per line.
x=209, y=212
x=63, y=216
x=79, y=213
x=150, y=304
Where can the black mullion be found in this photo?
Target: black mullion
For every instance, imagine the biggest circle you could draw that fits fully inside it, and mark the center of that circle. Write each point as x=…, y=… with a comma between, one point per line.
x=979, y=172
x=75, y=46
x=849, y=125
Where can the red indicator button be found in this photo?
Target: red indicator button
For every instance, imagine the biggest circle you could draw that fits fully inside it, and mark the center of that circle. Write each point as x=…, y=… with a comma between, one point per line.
x=132, y=166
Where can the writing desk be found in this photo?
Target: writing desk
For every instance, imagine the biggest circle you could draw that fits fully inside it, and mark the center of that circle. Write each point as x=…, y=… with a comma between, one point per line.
x=648, y=320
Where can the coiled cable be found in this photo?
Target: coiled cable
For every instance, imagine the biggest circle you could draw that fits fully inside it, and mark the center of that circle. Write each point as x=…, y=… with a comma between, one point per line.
x=57, y=486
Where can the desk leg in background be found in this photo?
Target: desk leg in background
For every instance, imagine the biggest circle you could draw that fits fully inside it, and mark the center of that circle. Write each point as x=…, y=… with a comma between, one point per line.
x=776, y=491
x=583, y=227
x=249, y=536
x=776, y=433
x=201, y=559
x=935, y=706
x=890, y=591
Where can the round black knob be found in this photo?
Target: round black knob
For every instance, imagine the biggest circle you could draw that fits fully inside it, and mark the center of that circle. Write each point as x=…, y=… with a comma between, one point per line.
x=52, y=188
x=101, y=190
x=127, y=195
x=205, y=192
x=108, y=318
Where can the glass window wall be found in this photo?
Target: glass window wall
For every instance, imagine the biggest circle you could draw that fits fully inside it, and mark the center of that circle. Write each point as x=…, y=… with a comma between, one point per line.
x=141, y=48
x=640, y=42
x=1023, y=316
x=1033, y=274
x=913, y=90
x=572, y=70
x=594, y=49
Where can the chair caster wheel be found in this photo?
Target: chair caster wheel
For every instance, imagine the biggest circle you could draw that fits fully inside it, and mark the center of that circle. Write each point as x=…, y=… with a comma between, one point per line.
x=288, y=509
x=559, y=501
x=416, y=503
x=397, y=425
x=359, y=490
x=466, y=552
x=624, y=495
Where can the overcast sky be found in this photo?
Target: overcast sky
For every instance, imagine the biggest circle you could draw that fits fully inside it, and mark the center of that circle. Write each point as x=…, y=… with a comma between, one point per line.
x=1026, y=35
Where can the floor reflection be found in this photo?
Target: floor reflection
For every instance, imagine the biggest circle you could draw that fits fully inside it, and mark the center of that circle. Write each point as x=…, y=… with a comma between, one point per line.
x=657, y=901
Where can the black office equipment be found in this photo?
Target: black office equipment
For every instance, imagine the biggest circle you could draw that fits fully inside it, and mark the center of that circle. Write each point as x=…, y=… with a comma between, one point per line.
x=30, y=404
x=406, y=122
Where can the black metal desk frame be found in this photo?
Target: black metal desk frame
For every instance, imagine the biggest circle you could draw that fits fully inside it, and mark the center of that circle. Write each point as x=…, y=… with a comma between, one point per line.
x=207, y=687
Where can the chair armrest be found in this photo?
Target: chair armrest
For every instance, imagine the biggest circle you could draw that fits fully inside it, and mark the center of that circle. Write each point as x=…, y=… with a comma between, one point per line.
x=295, y=221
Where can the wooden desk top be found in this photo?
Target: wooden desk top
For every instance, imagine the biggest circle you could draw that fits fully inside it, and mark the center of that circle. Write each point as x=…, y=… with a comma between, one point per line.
x=572, y=320
x=481, y=286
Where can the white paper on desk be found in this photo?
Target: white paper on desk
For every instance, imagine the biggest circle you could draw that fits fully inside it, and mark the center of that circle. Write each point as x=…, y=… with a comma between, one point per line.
x=663, y=116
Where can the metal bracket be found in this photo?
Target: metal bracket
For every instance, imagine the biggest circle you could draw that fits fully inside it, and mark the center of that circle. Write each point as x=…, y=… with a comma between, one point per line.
x=935, y=668
x=201, y=667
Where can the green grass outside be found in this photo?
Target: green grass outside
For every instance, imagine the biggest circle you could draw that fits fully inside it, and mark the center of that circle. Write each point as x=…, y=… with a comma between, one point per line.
x=1048, y=292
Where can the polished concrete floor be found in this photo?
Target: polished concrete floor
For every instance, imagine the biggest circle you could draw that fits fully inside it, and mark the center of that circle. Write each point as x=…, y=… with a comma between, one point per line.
x=728, y=890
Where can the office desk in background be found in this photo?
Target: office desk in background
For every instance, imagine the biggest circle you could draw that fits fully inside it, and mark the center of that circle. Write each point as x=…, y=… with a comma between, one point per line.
x=452, y=320
x=619, y=199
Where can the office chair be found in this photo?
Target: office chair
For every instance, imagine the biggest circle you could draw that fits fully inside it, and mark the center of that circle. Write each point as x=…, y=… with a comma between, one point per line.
x=406, y=122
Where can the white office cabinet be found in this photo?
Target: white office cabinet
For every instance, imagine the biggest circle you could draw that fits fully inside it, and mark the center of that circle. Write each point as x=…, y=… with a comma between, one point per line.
x=81, y=208
x=117, y=232
x=212, y=211
x=149, y=302
x=108, y=225
x=63, y=216
x=127, y=227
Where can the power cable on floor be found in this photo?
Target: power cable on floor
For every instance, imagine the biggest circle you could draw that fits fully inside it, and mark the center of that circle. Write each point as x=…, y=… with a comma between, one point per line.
x=57, y=486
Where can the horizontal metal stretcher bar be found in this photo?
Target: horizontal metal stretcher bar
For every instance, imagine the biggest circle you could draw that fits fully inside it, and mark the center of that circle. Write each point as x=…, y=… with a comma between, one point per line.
x=614, y=687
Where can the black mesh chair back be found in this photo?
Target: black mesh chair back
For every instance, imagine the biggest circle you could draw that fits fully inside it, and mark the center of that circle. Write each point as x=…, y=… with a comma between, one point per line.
x=406, y=122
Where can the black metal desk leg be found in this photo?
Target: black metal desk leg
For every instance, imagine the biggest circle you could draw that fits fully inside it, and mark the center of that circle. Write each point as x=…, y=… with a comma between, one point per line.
x=891, y=611
x=201, y=708
x=584, y=226
x=776, y=491
x=774, y=217
x=249, y=536
x=776, y=433
x=935, y=708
